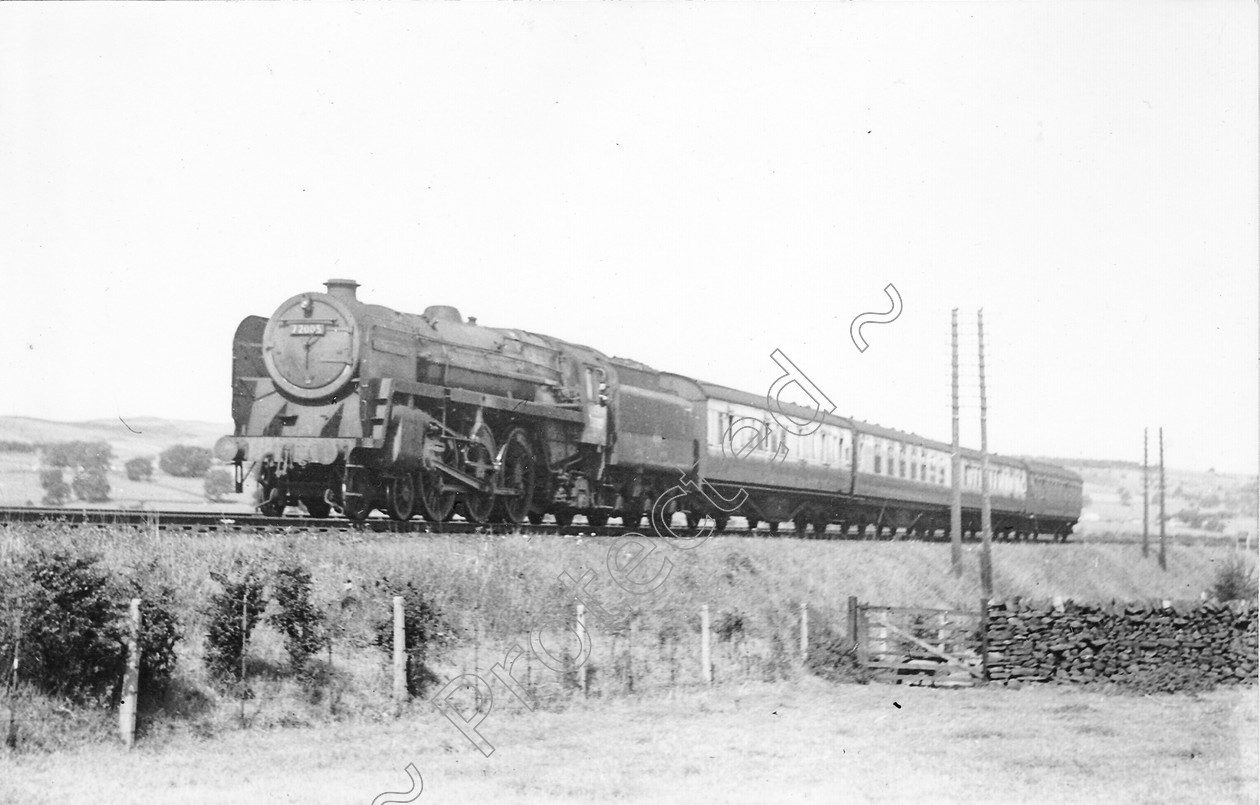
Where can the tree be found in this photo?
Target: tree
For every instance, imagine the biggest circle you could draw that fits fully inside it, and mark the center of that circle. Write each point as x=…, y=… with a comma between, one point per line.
x=139, y=469
x=79, y=456
x=218, y=483
x=56, y=490
x=91, y=486
x=185, y=461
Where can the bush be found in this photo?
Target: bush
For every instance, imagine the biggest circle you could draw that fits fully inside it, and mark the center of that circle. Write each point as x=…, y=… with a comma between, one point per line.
x=426, y=631
x=160, y=631
x=139, y=469
x=56, y=490
x=1235, y=580
x=184, y=461
x=296, y=616
x=71, y=626
x=218, y=483
x=833, y=656
x=233, y=613
x=91, y=486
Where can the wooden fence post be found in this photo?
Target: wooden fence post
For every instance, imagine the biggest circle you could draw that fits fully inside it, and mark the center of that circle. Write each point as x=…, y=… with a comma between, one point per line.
x=581, y=630
x=804, y=631
x=705, y=665
x=984, y=638
x=852, y=619
x=630, y=641
x=861, y=634
x=400, y=655
x=131, y=678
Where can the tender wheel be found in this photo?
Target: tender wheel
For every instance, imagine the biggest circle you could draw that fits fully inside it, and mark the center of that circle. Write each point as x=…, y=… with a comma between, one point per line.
x=800, y=521
x=632, y=520
x=597, y=519
x=479, y=462
x=820, y=524
x=317, y=507
x=694, y=521
x=564, y=518
x=662, y=518
x=535, y=518
x=773, y=525
x=400, y=498
x=517, y=473
x=435, y=505
x=752, y=524
x=719, y=523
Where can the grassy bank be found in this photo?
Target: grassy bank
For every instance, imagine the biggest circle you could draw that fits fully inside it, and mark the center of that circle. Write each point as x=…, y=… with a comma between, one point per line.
x=492, y=592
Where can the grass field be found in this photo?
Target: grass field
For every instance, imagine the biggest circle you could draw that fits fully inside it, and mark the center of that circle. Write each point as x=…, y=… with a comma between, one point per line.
x=808, y=741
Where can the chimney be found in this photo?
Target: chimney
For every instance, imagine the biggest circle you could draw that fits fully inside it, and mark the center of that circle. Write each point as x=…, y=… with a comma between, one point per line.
x=342, y=289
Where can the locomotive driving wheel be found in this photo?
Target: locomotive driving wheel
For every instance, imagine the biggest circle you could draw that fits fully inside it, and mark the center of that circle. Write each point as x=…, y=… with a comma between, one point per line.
x=356, y=493
x=435, y=504
x=400, y=497
x=516, y=474
x=479, y=463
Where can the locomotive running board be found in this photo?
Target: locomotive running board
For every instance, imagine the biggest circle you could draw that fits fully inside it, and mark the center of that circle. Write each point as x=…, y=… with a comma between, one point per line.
x=492, y=401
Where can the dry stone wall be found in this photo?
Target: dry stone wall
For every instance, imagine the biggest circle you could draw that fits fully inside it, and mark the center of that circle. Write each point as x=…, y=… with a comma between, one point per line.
x=1150, y=648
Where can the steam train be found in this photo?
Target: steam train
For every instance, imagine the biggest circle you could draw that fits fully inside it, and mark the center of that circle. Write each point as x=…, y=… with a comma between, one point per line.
x=345, y=406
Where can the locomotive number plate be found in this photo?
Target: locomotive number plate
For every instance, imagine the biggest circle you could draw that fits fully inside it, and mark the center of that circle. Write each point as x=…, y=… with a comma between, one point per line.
x=307, y=329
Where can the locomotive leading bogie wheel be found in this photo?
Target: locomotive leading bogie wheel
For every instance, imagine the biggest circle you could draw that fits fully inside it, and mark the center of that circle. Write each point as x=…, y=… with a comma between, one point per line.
x=516, y=473
x=272, y=502
x=400, y=498
x=435, y=505
x=316, y=507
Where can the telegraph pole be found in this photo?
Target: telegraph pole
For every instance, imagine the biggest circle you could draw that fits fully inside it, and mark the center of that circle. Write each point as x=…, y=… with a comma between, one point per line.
x=1146, y=499
x=1163, y=556
x=986, y=516
x=955, y=508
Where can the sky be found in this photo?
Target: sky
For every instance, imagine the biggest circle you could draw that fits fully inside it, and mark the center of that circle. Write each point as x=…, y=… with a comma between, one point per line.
x=691, y=186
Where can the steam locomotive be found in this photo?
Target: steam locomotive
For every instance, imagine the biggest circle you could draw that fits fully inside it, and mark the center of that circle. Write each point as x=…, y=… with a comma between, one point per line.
x=347, y=406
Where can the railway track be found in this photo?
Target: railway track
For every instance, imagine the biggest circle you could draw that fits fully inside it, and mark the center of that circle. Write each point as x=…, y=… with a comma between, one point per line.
x=244, y=522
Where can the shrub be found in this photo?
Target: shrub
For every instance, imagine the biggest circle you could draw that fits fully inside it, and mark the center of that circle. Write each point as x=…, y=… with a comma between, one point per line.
x=1235, y=580
x=233, y=613
x=160, y=631
x=218, y=483
x=833, y=656
x=139, y=469
x=56, y=490
x=296, y=617
x=71, y=625
x=426, y=631
x=91, y=485
x=185, y=461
